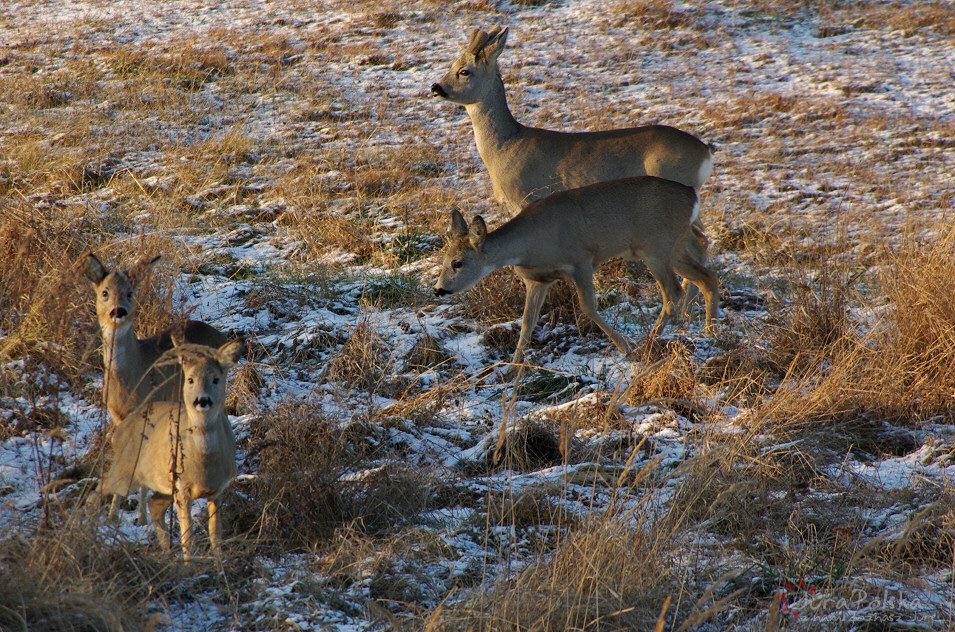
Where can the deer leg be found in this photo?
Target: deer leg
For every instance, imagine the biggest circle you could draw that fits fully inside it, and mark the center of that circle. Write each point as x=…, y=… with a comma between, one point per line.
x=690, y=268
x=669, y=289
x=214, y=529
x=143, y=516
x=533, y=301
x=184, y=509
x=696, y=244
x=158, y=506
x=584, y=280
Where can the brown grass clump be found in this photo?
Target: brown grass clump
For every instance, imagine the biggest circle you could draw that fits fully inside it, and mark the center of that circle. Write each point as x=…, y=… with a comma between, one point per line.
x=41, y=291
x=528, y=447
x=671, y=377
x=300, y=457
x=361, y=360
x=321, y=231
x=605, y=574
x=902, y=369
x=71, y=580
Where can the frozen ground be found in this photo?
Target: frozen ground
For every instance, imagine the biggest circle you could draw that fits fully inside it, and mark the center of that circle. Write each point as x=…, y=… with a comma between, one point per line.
x=835, y=134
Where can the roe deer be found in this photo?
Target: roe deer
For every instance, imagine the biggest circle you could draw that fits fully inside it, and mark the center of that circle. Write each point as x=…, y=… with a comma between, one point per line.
x=130, y=377
x=527, y=163
x=181, y=450
x=568, y=234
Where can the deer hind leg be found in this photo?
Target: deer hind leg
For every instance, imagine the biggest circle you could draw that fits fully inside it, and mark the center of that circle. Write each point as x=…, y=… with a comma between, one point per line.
x=158, y=507
x=697, y=244
x=669, y=289
x=584, y=280
x=533, y=301
x=688, y=266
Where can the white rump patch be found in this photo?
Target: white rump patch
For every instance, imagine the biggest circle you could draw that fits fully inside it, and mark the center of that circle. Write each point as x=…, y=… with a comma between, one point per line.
x=706, y=167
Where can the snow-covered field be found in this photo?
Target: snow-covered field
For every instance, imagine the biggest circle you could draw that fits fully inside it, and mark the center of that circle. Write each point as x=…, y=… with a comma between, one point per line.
x=289, y=162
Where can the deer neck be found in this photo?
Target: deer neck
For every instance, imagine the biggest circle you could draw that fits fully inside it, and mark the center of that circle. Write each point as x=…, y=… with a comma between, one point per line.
x=508, y=246
x=203, y=437
x=492, y=120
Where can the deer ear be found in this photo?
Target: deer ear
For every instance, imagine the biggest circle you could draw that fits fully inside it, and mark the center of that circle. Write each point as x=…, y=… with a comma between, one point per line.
x=495, y=44
x=178, y=334
x=139, y=270
x=93, y=269
x=477, y=232
x=229, y=354
x=459, y=227
x=478, y=40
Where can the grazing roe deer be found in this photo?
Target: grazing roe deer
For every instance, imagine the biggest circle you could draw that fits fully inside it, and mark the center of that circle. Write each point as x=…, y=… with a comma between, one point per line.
x=527, y=163
x=569, y=234
x=130, y=377
x=181, y=450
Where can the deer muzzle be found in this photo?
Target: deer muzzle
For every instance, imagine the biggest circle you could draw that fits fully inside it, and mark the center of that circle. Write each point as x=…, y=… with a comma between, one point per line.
x=202, y=403
x=438, y=91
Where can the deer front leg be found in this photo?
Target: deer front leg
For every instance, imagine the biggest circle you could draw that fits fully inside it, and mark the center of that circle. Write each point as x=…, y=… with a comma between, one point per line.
x=184, y=509
x=533, y=301
x=584, y=280
x=214, y=526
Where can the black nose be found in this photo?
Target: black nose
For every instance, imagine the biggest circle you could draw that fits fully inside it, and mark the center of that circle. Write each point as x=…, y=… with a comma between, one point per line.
x=440, y=291
x=438, y=91
x=202, y=402
x=118, y=312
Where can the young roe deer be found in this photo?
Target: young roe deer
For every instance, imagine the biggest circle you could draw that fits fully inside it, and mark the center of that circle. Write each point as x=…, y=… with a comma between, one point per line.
x=527, y=163
x=130, y=374
x=182, y=450
x=569, y=234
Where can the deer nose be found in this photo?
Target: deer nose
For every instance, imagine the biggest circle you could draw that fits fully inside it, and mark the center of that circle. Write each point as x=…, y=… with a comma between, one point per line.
x=440, y=291
x=202, y=403
x=118, y=312
x=438, y=91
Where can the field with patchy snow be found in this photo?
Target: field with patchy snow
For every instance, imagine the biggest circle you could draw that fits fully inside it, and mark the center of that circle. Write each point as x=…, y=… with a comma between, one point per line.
x=793, y=471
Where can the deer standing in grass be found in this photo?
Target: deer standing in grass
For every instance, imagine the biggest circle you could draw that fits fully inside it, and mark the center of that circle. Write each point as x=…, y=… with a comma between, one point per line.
x=182, y=450
x=569, y=234
x=131, y=376
x=527, y=163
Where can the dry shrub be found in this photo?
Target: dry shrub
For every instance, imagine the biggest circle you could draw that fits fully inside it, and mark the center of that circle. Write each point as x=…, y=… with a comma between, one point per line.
x=528, y=508
x=388, y=496
x=41, y=289
x=71, y=579
x=742, y=374
x=669, y=378
x=426, y=354
x=606, y=574
x=499, y=297
x=903, y=369
x=361, y=360
x=321, y=231
x=300, y=456
x=528, y=447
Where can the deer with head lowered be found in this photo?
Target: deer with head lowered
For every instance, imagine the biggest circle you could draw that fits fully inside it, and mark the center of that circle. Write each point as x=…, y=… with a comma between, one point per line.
x=182, y=450
x=569, y=234
x=131, y=376
x=527, y=163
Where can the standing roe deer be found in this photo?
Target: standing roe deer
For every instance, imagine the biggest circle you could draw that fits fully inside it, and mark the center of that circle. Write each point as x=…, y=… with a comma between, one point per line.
x=527, y=163
x=568, y=234
x=181, y=450
x=130, y=377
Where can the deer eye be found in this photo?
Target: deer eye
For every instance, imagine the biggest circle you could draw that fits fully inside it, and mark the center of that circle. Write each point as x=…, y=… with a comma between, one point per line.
x=464, y=72
x=129, y=295
x=215, y=380
x=457, y=265
x=105, y=294
x=191, y=381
